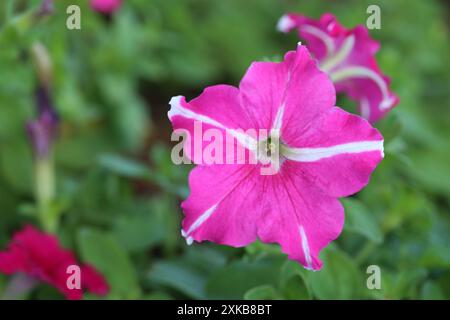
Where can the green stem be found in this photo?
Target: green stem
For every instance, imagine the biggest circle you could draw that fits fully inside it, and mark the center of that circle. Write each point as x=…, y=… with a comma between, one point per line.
x=45, y=192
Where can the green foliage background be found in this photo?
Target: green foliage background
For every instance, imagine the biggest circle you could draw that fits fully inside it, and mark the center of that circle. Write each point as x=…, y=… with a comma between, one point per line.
x=118, y=192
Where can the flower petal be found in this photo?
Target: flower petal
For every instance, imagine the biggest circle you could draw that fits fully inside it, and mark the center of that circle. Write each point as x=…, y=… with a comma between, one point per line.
x=224, y=204
x=299, y=216
x=11, y=262
x=93, y=281
x=234, y=205
x=340, y=151
x=295, y=86
x=105, y=6
x=369, y=87
x=218, y=107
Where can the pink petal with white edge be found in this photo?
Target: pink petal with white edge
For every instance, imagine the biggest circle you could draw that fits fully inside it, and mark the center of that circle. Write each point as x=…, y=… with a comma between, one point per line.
x=339, y=151
x=224, y=204
x=370, y=88
x=299, y=216
x=218, y=107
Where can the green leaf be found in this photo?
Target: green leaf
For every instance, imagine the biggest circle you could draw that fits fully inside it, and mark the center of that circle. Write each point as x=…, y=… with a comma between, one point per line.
x=130, y=123
x=158, y=296
x=431, y=291
x=257, y=248
x=406, y=283
x=294, y=282
x=338, y=279
x=123, y=166
x=136, y=170
x=264, y=292
x=358, y=219
x=16, y=165
x=138, y=232
x=234, y=280
x=180, y=276
x=437, y=255
x=391, y=127
x=103, y=251
x=434, y=167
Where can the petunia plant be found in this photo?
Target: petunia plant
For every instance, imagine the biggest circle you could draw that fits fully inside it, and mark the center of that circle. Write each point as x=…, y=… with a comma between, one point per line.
x=348, y=57
x=324, y=153
x=91, y=181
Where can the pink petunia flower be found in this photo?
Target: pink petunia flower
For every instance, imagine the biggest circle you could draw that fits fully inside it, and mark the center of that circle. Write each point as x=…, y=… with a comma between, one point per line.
x=324, y=153
x=106, y=6
x=40, y=256
x=348, y=56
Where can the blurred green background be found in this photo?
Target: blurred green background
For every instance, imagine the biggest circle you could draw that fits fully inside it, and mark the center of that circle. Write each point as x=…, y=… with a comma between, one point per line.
x=118, y=193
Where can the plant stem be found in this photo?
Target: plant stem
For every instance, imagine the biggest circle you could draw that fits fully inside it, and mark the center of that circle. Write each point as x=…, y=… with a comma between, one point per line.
x=45, y=192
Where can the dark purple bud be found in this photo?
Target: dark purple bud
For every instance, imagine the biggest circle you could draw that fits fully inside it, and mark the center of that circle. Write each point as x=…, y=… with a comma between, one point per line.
x=43, y=130
x=44, y=102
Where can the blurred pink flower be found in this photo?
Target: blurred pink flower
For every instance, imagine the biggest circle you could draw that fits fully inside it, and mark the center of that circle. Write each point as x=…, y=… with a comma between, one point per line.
x=348, y=56
x=324, y=153
x=106, y=6
x=40, y=256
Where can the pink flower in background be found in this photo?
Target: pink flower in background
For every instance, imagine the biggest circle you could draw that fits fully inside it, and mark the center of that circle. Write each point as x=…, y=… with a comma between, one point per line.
x=348, y=56
x=40, y=256
x=324, y=152
x=106, y=6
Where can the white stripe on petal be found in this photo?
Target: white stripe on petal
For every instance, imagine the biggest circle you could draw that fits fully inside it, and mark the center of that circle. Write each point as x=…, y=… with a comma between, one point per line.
x=189, y=240
x=315, y=154
x=387, y=103
x=323, y=36
x=340, y=56
x=197, y=223
x=305, y=247
x=176, y=109
x=363, y=72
